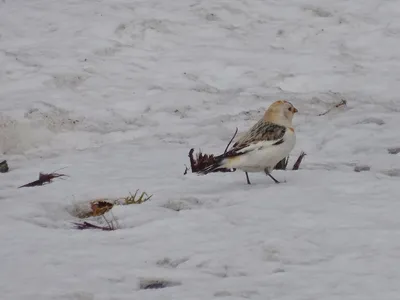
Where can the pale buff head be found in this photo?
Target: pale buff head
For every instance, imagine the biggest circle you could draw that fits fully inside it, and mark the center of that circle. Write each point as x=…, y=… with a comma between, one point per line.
x=280, y=112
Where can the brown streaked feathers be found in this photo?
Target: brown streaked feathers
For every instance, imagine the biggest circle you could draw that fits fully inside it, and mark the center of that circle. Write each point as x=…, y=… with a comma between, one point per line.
x=261, y=131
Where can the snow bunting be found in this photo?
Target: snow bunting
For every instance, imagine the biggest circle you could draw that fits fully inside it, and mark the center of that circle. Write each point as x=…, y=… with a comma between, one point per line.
x=266, y=143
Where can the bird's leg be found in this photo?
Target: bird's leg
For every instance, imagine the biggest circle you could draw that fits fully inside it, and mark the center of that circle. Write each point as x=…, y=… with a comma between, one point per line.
x=247, y=177
x=267, y=173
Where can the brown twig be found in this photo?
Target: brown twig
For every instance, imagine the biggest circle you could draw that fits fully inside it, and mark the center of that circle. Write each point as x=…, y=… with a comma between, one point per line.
x=341, y=103
x=87, y=225
x=192, y=161
x=298, y=161
x=186, y=169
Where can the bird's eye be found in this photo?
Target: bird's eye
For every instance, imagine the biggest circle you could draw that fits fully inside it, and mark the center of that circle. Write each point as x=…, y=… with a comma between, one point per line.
x=290, y=109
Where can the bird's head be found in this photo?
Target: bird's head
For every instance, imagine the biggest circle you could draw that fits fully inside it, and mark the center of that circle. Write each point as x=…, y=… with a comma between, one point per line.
x=280, y=112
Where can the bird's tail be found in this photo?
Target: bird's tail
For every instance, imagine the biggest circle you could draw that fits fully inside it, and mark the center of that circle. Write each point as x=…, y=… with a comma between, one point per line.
x=215, y=166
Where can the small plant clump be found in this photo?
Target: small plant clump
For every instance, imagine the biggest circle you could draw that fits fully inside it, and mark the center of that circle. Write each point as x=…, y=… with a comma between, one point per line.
x=132, y=199
x=44, y=178
x=282, y=165
x=4, y=167
x=100, y=207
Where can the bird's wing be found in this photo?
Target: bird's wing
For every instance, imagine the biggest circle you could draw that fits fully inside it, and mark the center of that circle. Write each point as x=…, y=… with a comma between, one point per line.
x=262, y=134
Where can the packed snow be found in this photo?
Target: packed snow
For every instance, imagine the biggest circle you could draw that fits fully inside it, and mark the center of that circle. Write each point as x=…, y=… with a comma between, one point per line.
x=117, y=93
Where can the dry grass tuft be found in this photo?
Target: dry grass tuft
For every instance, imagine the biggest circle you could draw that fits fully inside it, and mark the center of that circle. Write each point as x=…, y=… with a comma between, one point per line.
x=100, y=207
x=133, y=199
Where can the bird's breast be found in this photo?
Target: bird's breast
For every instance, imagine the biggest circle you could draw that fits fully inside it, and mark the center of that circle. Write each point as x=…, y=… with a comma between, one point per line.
x=289, y=140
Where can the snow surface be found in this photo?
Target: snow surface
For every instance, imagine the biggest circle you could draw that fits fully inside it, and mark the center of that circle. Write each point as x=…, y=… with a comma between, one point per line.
x=118, y=92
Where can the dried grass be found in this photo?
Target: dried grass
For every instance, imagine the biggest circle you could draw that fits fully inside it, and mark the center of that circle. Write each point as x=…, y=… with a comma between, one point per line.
x=100, y=207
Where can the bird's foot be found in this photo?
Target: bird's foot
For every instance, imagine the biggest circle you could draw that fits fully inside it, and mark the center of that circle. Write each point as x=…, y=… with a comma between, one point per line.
x=272, y=177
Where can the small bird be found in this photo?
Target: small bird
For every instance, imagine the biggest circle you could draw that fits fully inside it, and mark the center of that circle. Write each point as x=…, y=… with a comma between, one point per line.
x=265, y=144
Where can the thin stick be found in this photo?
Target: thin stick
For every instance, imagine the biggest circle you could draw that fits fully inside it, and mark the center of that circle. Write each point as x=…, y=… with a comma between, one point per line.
x=227, y=146
x=186, y=170
x=59, y=169
x=115, y=219
x=341, y=103
x=87, y=225
x=298, y=161
x=109, y=226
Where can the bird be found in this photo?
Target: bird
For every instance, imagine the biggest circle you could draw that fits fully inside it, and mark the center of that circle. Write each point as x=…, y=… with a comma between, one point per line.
x=265, y=144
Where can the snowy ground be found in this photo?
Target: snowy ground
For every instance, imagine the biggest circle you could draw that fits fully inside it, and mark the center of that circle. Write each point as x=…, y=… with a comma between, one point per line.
x=119, y=91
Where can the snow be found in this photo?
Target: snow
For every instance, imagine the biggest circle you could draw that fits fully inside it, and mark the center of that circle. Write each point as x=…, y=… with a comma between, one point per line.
x=119, y=91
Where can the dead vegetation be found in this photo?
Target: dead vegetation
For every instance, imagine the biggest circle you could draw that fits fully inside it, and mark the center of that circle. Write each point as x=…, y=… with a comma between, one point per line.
x=98, y=208
x=44, y=178
x=4, y=167
x=87, y=225
x=342, y=103
x=101, y=207
x=133, y=199
x=282, y=165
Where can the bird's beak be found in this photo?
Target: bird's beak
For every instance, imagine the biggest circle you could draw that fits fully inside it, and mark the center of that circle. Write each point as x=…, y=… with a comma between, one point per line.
x=295, y=110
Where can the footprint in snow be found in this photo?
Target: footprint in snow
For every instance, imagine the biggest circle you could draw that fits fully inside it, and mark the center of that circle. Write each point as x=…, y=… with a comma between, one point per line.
x=171, y=264
x=392, y=172
x=71, y=81
x=153, y=283
x=183, y=204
